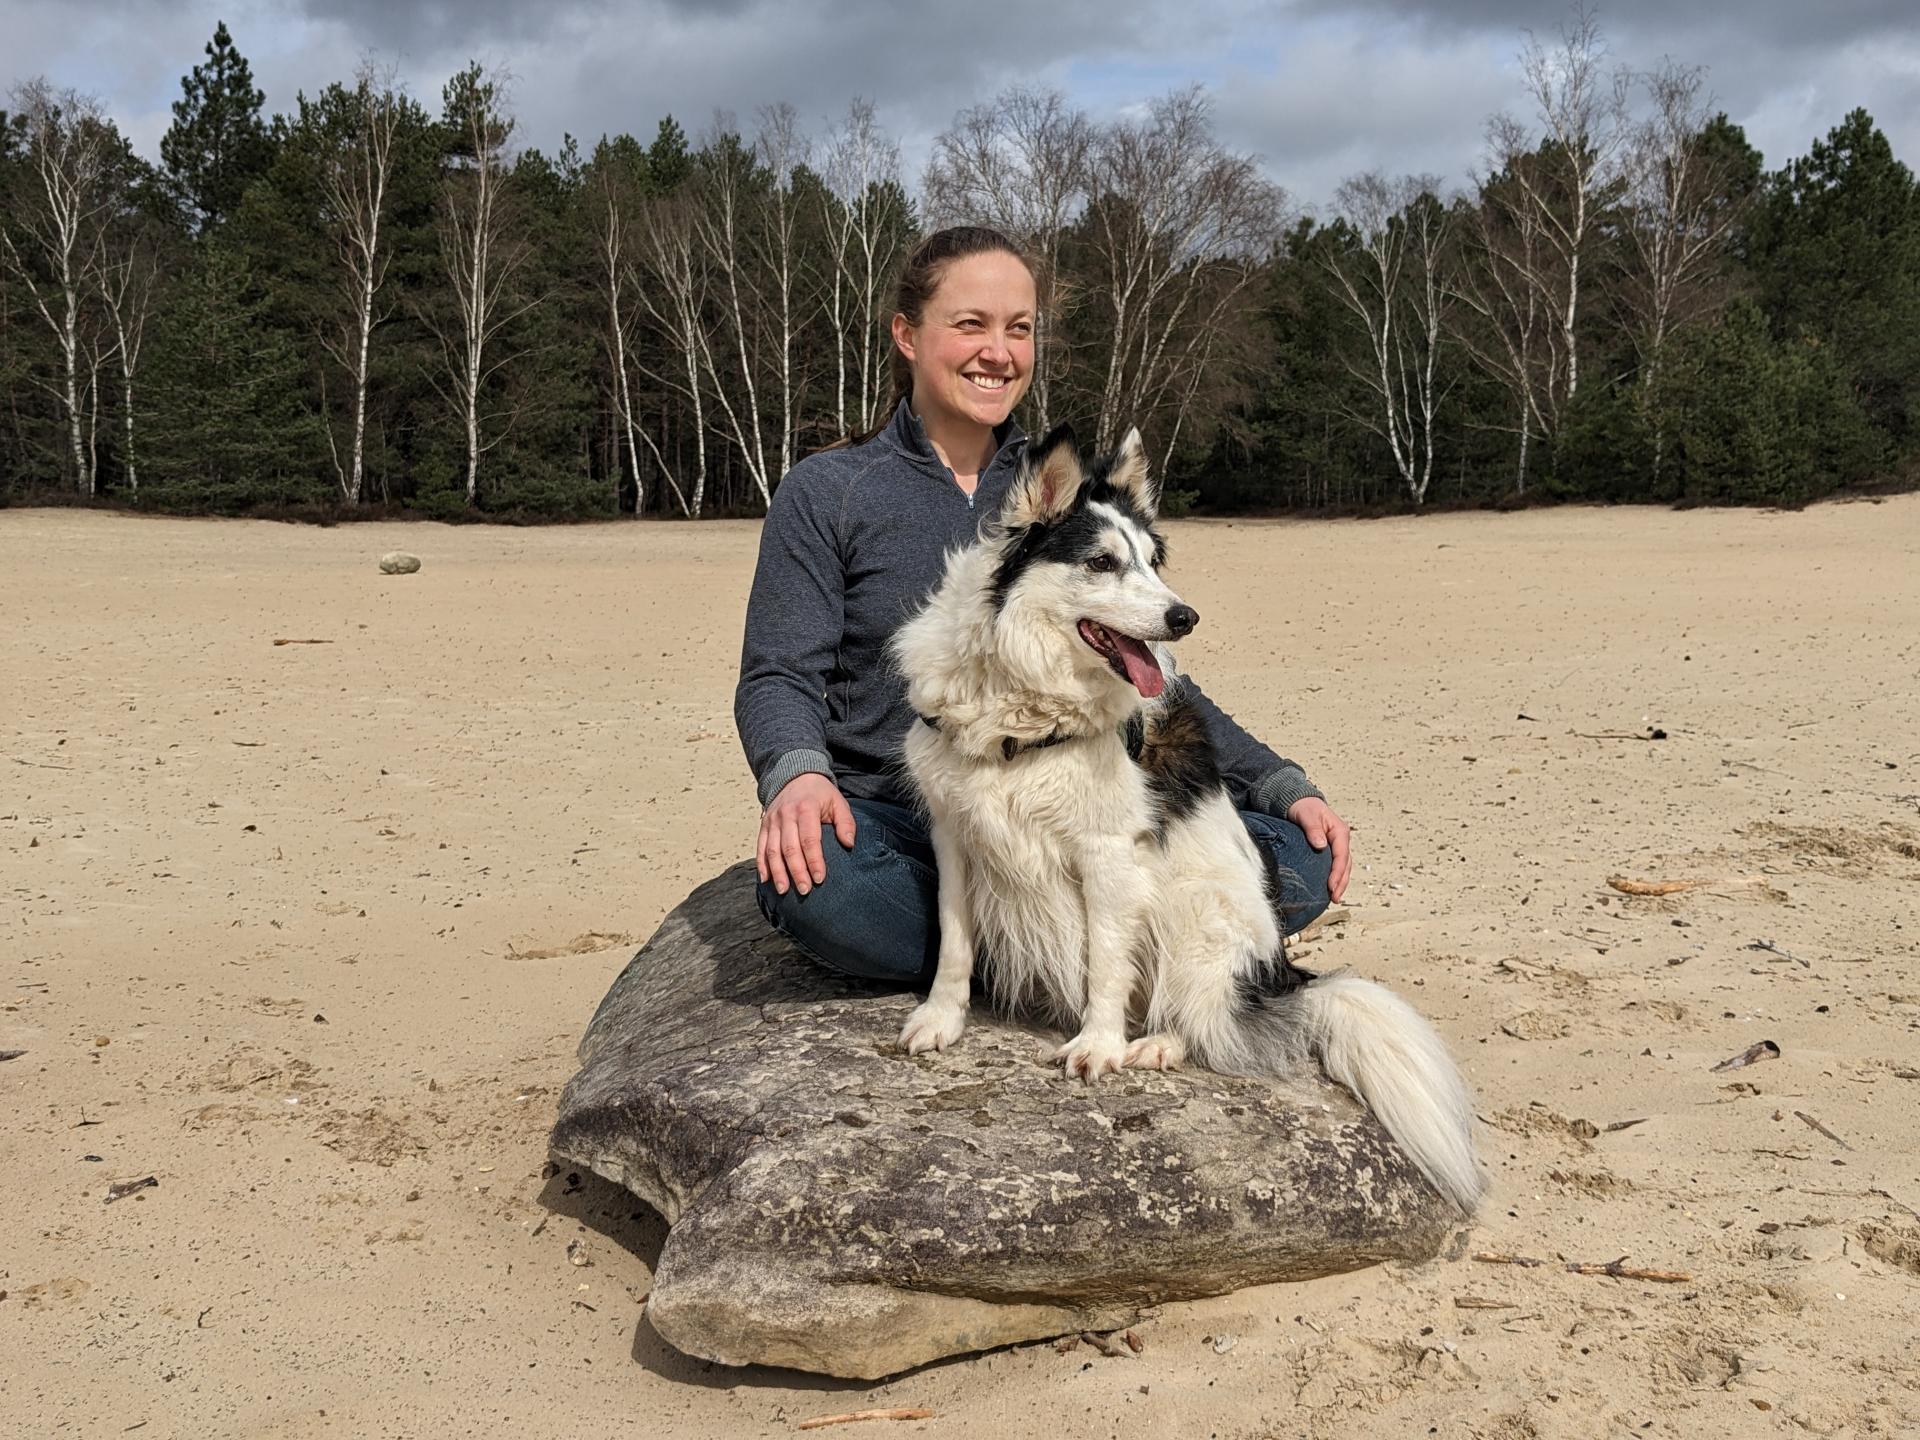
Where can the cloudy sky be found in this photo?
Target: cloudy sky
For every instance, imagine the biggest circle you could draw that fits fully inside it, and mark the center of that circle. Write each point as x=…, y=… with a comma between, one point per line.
x=1318, y=88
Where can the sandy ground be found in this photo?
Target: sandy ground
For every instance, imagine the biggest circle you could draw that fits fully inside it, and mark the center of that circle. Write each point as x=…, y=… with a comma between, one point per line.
x=307, y=933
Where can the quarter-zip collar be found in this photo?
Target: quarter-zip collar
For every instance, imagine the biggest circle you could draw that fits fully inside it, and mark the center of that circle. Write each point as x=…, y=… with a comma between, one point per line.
x=908, y=436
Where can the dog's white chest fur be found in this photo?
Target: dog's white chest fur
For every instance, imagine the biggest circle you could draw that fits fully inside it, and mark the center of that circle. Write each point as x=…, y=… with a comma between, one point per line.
x=1030, y=827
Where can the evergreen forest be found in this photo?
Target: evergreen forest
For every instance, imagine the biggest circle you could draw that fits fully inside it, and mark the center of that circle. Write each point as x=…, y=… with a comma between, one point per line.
x=375, y=303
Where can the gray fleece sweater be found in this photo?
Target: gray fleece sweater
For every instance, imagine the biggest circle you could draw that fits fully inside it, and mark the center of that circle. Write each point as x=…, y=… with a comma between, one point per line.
x=854, y=542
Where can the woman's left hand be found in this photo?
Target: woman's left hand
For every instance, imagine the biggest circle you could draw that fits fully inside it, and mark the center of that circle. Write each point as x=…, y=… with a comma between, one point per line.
x=1323, y=828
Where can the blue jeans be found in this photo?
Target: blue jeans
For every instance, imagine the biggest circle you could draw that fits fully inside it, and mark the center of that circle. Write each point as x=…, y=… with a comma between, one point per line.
x=876, y=914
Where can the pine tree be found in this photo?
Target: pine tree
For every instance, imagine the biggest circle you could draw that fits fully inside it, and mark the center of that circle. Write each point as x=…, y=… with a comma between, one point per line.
x=1837, y=251
x=229, y=425
x=217, y=144
x=1756, y=421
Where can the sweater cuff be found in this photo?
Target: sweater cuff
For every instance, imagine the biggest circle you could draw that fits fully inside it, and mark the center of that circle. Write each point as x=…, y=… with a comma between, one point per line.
x=785, y=767
x=1278, y=793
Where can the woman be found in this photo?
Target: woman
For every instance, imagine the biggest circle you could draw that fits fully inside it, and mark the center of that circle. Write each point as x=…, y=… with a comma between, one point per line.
x=854, y=541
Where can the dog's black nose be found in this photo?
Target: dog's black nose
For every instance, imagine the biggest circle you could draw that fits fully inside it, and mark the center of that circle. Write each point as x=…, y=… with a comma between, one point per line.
x=1181, y=619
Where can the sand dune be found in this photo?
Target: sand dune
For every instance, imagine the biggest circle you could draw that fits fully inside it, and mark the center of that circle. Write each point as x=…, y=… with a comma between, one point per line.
x=306, y=933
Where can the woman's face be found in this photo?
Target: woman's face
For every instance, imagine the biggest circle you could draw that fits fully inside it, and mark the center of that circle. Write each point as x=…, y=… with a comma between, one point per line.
x=972, y=352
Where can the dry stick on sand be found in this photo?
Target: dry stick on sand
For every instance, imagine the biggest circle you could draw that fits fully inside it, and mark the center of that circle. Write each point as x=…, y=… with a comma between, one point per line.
x=1617, y=1269
x=1823, y=1129
x=303, y=642
x=821, y=1421
x=1628, y=886
x=1772, y=949
x=1753, y=1054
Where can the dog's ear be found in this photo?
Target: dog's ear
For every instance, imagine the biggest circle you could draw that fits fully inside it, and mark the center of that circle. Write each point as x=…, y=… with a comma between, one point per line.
x=1049, y=482
x=1129, y=475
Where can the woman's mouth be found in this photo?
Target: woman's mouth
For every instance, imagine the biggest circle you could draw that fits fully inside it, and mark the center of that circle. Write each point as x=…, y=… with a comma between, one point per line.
x=987, y=382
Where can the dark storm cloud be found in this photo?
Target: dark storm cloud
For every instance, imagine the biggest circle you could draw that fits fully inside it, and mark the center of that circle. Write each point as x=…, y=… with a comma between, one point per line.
x=1319, y=89
x=1771, y=23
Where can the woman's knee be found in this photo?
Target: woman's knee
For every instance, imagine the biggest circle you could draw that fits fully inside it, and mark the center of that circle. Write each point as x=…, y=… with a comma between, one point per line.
x=1304, y=872
x=870, y=917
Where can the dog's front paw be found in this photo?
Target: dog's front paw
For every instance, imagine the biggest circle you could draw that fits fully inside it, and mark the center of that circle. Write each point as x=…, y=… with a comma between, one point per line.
x=1156, y=1052
x=933, y=1025
x=1091, y=1054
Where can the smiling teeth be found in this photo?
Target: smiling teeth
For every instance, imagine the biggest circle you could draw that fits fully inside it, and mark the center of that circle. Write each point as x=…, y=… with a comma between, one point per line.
x=989, y=382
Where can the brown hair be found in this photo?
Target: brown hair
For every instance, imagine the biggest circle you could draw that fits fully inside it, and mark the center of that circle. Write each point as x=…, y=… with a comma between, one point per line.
x=919, y=278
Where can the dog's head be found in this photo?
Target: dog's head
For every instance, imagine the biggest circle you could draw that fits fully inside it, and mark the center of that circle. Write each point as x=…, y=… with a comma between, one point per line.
x=1077, y=553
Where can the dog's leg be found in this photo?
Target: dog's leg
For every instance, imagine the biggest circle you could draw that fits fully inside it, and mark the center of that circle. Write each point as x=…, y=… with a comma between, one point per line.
x=1113, y=887
x=938, y=1020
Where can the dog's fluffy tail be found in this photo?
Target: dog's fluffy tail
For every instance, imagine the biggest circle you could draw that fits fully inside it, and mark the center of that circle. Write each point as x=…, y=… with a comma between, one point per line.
x=1374, y=1043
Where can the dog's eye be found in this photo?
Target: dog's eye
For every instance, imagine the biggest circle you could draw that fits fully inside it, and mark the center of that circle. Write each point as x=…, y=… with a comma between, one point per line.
x=1102, y=564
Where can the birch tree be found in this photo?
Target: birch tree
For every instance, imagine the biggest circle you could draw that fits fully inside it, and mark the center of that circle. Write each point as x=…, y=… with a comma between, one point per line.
x=1678, y=212
x=127, y=276
x=613, y=199
x=725, y=214
x=1389, y=278
x=1581, y=106
x=866, y=221
x=358, y=127
x=483, y=247
x=673, y=292
x=1021, y=163
x=1504, y=318
x=53, y=230
x=782, y=148
x=1179, y=226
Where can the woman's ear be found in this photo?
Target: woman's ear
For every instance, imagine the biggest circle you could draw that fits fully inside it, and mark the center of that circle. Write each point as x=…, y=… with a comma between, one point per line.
x=903, y=336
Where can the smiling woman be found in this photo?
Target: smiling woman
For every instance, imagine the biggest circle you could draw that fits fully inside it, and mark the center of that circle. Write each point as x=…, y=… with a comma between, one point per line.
x=854, y=542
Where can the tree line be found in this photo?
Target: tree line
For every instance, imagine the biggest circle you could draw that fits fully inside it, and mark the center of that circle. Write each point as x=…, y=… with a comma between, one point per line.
x=361, y=305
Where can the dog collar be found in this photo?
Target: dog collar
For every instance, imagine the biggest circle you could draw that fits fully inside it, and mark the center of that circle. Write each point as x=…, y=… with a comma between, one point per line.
x=1009, y=747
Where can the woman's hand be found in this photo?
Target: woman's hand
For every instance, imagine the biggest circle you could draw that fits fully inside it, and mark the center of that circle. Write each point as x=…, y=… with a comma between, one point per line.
x=789, y=849
x=1323, y=828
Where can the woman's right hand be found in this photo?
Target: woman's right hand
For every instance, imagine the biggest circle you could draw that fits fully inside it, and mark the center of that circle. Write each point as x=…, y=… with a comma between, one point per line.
x=789, y=849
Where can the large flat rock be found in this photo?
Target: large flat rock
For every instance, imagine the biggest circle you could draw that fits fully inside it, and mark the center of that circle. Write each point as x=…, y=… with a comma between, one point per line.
x=838, y=1207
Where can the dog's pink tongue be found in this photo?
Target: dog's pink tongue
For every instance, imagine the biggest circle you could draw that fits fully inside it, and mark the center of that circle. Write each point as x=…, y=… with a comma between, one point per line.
x=1142, y=669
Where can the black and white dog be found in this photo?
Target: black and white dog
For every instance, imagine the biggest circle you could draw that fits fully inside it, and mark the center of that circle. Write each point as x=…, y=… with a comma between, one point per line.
x=1086, y=844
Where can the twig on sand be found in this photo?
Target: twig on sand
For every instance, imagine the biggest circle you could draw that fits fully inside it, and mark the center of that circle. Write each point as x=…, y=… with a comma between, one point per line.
x=1808, y=1119
x=1654, y=733
x=1753, y=1054
x=1628, y=886
x=1773, y=948
x=821, y=1421
x=1616, y=1269
x=303, y=642
x=38, y=764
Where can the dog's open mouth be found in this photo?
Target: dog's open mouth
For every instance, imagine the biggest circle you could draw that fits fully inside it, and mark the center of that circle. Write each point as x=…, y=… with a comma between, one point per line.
x=1129, y=658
